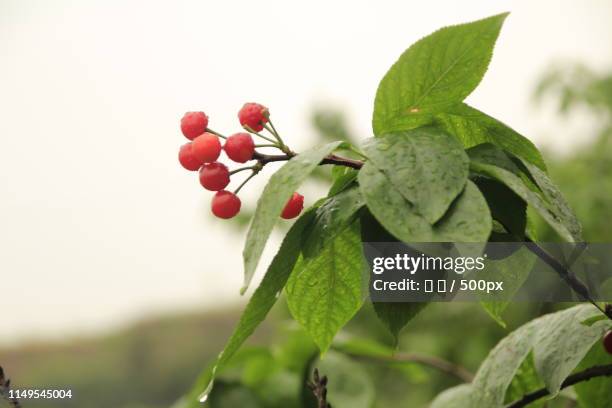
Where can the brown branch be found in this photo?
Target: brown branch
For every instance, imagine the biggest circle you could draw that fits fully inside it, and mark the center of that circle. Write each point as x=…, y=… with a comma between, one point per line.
x=319, y=388
x=5, y=387
x=593, y=372
x=434, y=362
x=564, y=272
x=330, y=159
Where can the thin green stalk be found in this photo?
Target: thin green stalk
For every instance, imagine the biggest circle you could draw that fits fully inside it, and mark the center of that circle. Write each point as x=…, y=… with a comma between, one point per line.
x=267, y=145
x=242, y=169
x=263, y=137
x=215, y=133
x=245, y=181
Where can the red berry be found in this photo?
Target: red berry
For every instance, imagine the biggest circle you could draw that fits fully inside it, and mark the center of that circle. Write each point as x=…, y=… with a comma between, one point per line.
x=239, y=147
x=254, y=116
x=214, y=176
x=225, y=204
x=206, y=147
x=187, y=158
x=294, y=206
x=607, y=342
x=194, y=124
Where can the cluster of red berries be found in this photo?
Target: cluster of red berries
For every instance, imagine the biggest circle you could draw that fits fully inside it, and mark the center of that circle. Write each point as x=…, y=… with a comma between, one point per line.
x=203, y=151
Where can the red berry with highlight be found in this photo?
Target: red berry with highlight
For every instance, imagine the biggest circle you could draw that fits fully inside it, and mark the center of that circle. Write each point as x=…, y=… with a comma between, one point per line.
x=188, y=159
x=253, y=115
x=240, y=147
x=294, y=206
x=194, y=124
x=607, y=342
x=206, y=147
x=214, y=176
x=225, y=204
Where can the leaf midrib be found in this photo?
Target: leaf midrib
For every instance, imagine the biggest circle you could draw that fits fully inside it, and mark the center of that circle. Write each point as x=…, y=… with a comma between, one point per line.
x=451, y=66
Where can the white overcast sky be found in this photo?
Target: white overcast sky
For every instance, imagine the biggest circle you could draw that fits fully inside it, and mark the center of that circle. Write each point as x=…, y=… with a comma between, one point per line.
x=98, y=224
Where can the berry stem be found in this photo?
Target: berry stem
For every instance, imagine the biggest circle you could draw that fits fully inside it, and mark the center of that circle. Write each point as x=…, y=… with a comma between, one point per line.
x=242, y=169
x=330, y=159
x=209, y=130
x=262, y=136
x=272, y=130
x=267, y=145
x=255, y=171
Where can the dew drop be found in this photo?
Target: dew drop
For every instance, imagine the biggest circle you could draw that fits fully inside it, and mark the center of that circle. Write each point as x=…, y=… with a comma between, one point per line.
x=204, y=395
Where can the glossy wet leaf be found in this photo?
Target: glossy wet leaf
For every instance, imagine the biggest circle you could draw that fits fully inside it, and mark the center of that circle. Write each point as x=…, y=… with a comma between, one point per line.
x=427, y=166
x=467, y=220
x=554, y=196
x=525, y=381
x=563, y=342
x=474, y=127
x=326, y=290
x=331, y=218
x=534, y=199
x=281, y=186
x=513, y=271
x=558, y=341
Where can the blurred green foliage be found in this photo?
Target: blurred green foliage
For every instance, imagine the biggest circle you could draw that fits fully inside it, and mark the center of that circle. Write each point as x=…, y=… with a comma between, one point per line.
x=585, y=176
x=154, y=363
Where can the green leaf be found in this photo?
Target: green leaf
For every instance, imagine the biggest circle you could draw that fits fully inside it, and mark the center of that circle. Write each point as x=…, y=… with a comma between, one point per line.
x=395, y=315
x=551, y=204
x=506, y=206
x=592, y=320
x=436, y=72
x=595, y=393
x=525, y=381
x=269, y=206
x=427, y=166
x=563, y=342
x=474, y=127
x=467, y=220
x=332, y=217
x=532, y=198
x=560, y=207
x=325, y=291
x=349, y=386
x=343, y=178
x=488, y=153
x=514, y=271
x=455, y=397
x=558, y=340
x=258, y=307
x=497, y=371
